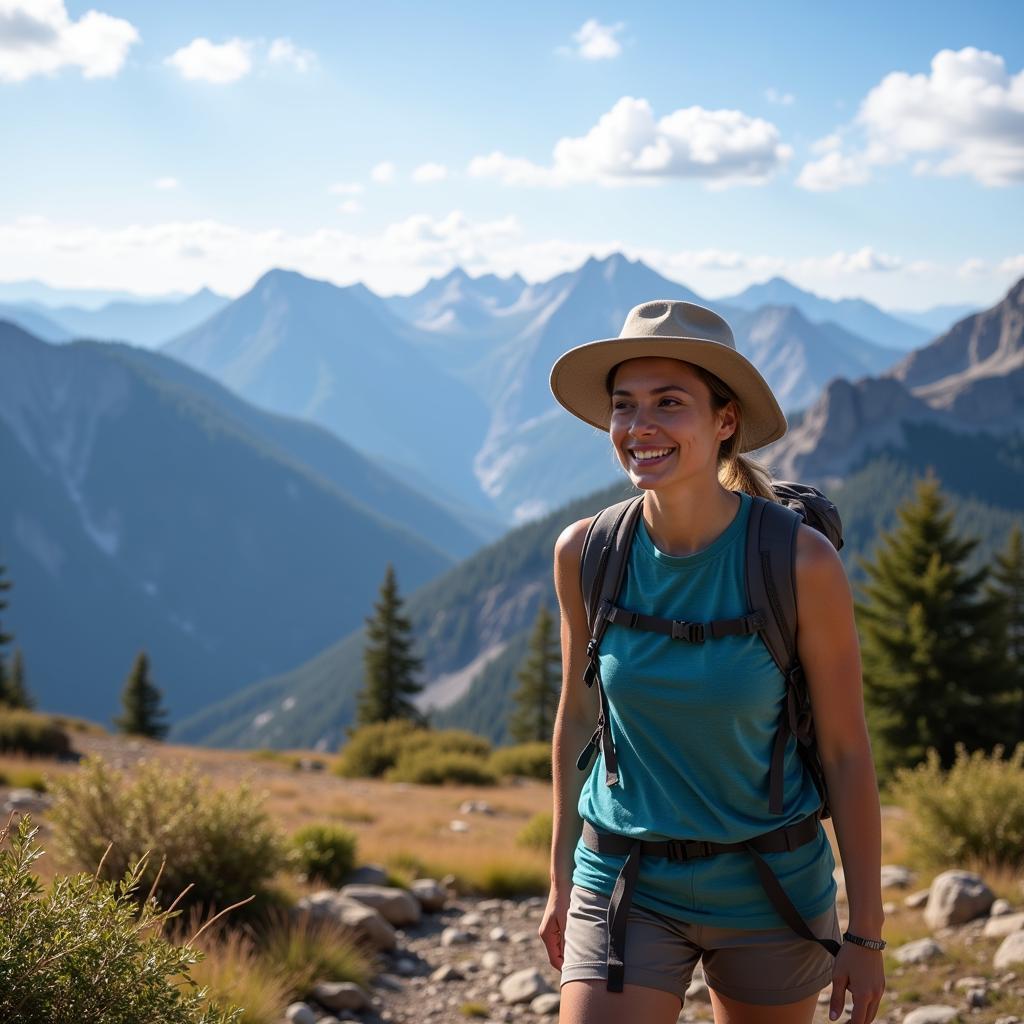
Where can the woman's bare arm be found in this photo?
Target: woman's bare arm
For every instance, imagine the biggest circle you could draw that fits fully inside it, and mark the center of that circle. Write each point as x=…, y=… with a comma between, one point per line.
x=830, y=654
x=577, y=707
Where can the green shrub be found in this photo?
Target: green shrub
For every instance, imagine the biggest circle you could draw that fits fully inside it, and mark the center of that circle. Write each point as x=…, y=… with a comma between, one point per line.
x=372, y=749
x=325, y=853
x=536, y=833
x=974, y=811
x=25, y=732
x=85, y=951
x=446, y=741
x=310, y=949
x=531, y=760
x=23, y=778
x=431, y=767
x=475, y=1009
x=222, y=842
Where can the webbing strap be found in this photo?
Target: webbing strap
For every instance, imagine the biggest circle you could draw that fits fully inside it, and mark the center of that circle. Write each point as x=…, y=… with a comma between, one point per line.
x=681, y=629
x=788, y=837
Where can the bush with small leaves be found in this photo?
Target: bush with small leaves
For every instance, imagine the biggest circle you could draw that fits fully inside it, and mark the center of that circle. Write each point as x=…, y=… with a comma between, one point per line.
x=971, y=813
x=325, y=853
x=220, y=842
x=529, y=760
x=26, y=732
x=430, y=767
x=372, y=749
x=536, y=833
x=85, y=950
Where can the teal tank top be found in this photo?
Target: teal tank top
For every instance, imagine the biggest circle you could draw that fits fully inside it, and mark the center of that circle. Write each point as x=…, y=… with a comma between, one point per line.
x=693, y=726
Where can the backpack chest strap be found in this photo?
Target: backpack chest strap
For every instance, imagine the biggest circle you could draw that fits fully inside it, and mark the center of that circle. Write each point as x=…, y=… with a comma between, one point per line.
x=681, y=629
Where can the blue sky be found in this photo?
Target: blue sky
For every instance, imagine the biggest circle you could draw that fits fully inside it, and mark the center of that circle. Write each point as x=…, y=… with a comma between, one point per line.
x=876, y=150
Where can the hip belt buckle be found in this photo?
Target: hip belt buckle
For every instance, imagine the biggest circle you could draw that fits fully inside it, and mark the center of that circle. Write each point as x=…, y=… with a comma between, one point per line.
x=688, y=849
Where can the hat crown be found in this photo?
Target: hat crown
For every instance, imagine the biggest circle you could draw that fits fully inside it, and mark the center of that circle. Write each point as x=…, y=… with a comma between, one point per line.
x=671, y=318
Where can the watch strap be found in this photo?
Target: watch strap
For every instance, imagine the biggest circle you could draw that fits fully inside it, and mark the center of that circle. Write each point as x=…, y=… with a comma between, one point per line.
x=858, y=940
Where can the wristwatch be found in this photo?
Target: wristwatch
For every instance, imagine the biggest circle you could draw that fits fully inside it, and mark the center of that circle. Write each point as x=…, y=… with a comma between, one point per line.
x=868, y=943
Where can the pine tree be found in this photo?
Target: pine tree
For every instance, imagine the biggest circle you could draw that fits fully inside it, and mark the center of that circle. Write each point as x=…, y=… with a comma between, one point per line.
x=5, y=639
x=389, y=666
x=17, y=695
x=1006, y=588
x=143, y=714
x=539, y=678
x=933, y=674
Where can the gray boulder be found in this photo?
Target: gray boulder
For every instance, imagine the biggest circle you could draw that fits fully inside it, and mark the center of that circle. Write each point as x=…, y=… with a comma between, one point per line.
x=1011, y=952
x=398, y=906
x=894, y=876
x=369, y=874
x=957, y=897
x=300, y=1013
x=431, y=896
x=340, y=995
x=523, y=986
x=1005, y=924
x=368, y=924
x=920, y=951
x=26, y=801
x=546, y=1004
x=931, y=1015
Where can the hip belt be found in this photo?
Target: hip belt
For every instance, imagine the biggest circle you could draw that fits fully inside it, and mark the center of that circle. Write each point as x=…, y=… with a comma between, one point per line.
x=789, y=837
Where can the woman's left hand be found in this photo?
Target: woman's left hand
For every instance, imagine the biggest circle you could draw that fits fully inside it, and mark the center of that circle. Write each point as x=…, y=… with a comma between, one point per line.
x=860, y=970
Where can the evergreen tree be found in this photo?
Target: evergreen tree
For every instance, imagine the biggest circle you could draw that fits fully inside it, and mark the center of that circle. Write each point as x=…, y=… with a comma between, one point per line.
x=933, y=671
x=1006, y=588
x=536, y=698
x=17, y=695
x=143, y=714
x=5, y=639
x=389, y=666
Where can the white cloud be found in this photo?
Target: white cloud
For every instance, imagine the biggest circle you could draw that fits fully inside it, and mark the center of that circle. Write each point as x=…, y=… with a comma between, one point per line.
x=784, y=99
x=383, y=173
x=345, y=188
x=628, y=145
x=595, y=41
x=350, y=206
x=973, y=267
x=429, y=172
x=218, y=63
x=833, y=171
x=284, y=51
x=185, y=255
x=166, y=183
x=37, y=37
x=964, y=118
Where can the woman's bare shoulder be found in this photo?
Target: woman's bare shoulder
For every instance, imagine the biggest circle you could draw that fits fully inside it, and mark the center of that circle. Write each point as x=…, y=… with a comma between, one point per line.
x=569, y=545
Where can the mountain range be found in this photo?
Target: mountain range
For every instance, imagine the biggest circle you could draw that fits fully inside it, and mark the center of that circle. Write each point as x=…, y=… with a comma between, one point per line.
x=146, y=505
x=864, y=442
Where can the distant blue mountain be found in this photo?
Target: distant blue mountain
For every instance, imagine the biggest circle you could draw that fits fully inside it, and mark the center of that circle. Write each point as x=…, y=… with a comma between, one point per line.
x=138, y=322
x=37, y=324
x=339, y=357
x=856, y=315
x=936, y=320
x=86, y=298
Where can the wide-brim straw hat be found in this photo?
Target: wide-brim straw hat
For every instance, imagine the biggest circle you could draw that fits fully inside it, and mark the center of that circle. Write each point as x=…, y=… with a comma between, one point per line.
x=678, y=330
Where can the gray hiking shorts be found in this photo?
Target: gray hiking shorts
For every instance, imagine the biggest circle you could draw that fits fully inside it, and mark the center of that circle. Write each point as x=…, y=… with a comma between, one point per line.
x=768, y=967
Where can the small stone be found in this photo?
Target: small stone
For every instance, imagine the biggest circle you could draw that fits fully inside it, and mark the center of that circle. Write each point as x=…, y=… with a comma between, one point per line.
x=546, y=1004
x=1001, y=907
x=497, y=934
x=431, y=894
x=1003, y=924
x=369, y=874
x=917, y=899
x=475, y=807
x=491, y=960
x=447, y=972
x=340, y=995
x=889, y=908
x=520, y=937
x=457, y=825
x=406, y=966
x=471, y=920
x=931, y=1014
x=300, y=1013
x=976, y=998
x=523, y=986
x=452, y=936
x=1008, y=1020
x=26, y=801
x=919, y=951
x=894, y=876
x=1010, y=952
x=491, y=906
x=971, y=982
x=397, y=906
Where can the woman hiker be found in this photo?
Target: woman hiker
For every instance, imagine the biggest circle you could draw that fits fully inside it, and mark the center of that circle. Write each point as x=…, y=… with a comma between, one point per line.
x=639, y=892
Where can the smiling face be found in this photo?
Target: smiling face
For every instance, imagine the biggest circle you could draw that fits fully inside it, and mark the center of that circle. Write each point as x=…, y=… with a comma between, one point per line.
x=664, y=425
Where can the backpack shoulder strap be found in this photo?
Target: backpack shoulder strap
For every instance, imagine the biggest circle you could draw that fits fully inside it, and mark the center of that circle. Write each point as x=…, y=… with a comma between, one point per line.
x=606, y=553
x=771, y=572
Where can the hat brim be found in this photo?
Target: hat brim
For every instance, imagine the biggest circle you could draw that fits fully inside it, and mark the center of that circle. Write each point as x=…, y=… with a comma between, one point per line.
x=578, y=380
